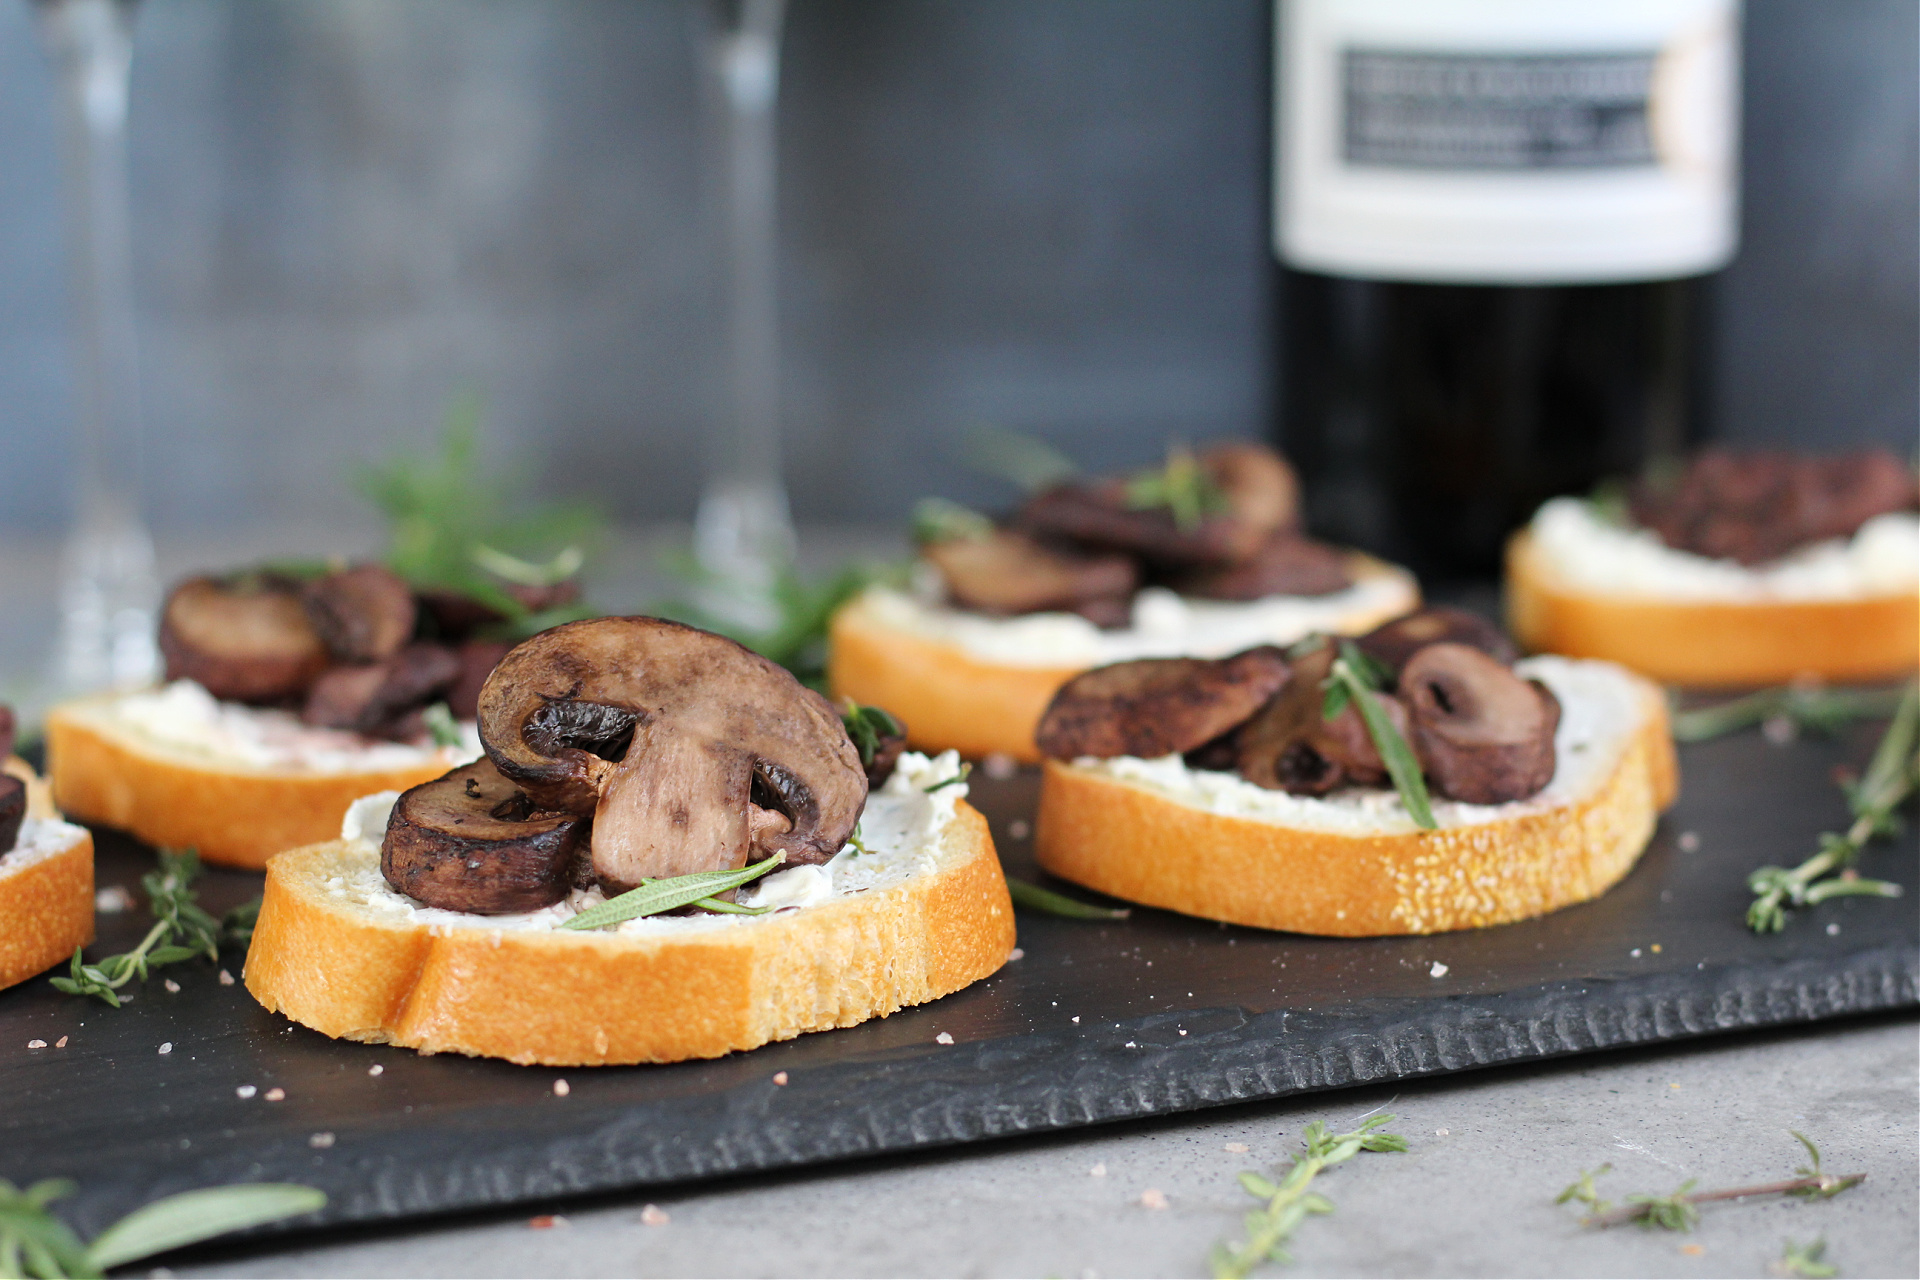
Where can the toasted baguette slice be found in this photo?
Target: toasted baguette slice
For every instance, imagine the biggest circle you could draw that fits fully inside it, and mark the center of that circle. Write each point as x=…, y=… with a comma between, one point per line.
x=46, y=887
x=233, y=812
x=592, y=998
x=1708, y=643
x=951, y=700
x=1365, y=875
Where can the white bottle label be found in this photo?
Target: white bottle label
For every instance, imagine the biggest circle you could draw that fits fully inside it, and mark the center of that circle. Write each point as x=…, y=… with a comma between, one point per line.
x=1506, y=141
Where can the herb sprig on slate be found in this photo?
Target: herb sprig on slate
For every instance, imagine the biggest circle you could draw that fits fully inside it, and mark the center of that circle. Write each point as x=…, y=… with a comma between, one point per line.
x=1805, y=1260
x=1289, y=1201
x=182, y=929
x=1356, y=678
x=1034, y=898
x=1678, y=1210
x=700, y=889
x=33, y=1242
x=1891, y=777
x=1796, y=706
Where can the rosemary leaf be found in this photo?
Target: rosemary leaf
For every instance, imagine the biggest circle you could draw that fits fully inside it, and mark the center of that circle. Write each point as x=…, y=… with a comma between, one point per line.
x=867, y=727
x=966, y=771
x=655, y=896
x=1031, y=464
x=1806, y=1260
x=1034, y=898
x=1402, y=765
x=193, y=1216
x=441, y=724
x=1812, y=707
x=938, y=520
x=1182, y=486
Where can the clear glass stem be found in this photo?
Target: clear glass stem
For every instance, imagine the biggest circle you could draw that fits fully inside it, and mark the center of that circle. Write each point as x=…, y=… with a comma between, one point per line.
x=108, y=590
x=743, y=533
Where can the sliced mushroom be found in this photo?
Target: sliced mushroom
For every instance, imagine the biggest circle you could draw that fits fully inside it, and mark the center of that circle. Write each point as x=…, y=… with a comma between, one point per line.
x=364, y=613
x=1291, y=746
x=1157, y=706
x=457, y=615
x=661, y=731
x=472, y=841
x=247, y=639
x=8, y=730
x=1286, y=565
x=1396, y=641
x=478, y=658
x=371, y=698
x=1011, y=573
x=1484, y=735
x=13, y=810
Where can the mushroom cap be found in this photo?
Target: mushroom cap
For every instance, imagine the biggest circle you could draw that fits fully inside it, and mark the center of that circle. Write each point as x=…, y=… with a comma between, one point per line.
x=1395, y=641
x=1483, y=734
x=472, y=841
x=689, y=750
x=1011, y=573
x=1157, y=706
x=1276, y=746
x=374, y=697
x=248, y=641
x=364, y=614
x=1285, y=565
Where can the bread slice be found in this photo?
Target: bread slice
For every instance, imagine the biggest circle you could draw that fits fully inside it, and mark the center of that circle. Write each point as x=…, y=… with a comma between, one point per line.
x=46, y=887
x=107, y=771
x=1706, y=643
x=1356, y=866
x=351, y=964
x=952, y=700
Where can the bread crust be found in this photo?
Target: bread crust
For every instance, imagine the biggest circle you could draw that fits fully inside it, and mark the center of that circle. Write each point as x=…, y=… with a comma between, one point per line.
x=232, y=813
x=952, y=701
x=46, y=907
x=1709, y=643
x=1136, y=844
x=589, y=999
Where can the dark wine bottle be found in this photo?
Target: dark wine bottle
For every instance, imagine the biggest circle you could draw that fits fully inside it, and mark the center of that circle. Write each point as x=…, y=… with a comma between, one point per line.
x=1493, y=217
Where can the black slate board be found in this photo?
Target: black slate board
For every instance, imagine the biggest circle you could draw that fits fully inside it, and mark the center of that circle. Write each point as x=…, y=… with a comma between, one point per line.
x=1174, y=1014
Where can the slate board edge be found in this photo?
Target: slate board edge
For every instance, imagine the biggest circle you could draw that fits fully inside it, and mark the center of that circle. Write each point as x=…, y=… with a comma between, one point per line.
x=962, y=1097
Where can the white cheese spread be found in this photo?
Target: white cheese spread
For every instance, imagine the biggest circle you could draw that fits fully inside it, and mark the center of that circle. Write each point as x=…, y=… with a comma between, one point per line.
x=1599, y=710
x=901, y=831
x=185, y=718
x=1164, y=625
x=39, y=839
x=1582, y=549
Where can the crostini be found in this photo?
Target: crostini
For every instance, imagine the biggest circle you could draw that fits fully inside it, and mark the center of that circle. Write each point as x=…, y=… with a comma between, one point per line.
x=46, y=872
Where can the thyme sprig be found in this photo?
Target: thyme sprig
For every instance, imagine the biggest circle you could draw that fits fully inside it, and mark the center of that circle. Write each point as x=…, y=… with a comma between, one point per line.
x=33, y=1242
x=701, y=888
x=1182, y=486
x=1891, y=776
x=1289, y=1201
x=1806, y=1260
x=1678, y=1210
x=1803, y=706
x=182, y=929
x=1356, y=678
x=1034, y=898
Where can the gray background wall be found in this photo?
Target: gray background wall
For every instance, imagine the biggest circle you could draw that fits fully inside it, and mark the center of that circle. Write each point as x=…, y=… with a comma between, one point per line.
x=1049, y=215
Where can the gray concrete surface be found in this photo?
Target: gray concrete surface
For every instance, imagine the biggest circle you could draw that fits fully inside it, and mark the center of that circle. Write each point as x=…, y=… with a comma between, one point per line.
x=1473, y=1196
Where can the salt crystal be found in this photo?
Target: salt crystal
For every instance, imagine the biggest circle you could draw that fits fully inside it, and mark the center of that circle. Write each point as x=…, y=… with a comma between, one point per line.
x=1438, y=971
x=36, y=1044
x=1833, y=931
x=1019, y=829
x=1016, y=954
x=167, y=1047
x=245, y=1091
x=1689, y=841
x=112, y=900
x=275, y=1094
x=226, y=979
x=171, y=986
x=320, y=1141
x=1441, y=1133
x=561, y=1088
x=654, y=1216
x=779, y=1077
x=1098, y=1171
x=1237, y=1148
x=1635, y=953
x=61, y=1043
x=375, y=1069
x=546, y=1221
x=999, y=766
x=1076, y=1017
x=943, y=1038
x=1153, y=1198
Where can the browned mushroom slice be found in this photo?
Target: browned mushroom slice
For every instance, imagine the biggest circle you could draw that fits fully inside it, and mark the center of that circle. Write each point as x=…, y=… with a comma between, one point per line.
x=370, y=698
x=456, y=615
x=364, y=613
x=1289, y=746
x=1398, y=640
x=472, y=841
x=248, y=640
x=1010, y=573
x=662, y=731
x=1484, y=735
x=1157, y=706
x=13, y=810
x=8, y=728
x=1287, y=565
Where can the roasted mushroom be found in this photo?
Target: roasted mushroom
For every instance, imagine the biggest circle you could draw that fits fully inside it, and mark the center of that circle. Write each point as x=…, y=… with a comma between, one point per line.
x=472, y=841
x=371, y=698
x=1755, y=507
x=1291, y=745
x=364, y=614
x=478, y=658
x=13, y=810
x=666, y=735
x=456, y=615
x=1286, y=565
x=8, y=730
x=1157, y=706
x=1398, y=640
x=1010, y=573
x=1483, y=734
x=246, y=639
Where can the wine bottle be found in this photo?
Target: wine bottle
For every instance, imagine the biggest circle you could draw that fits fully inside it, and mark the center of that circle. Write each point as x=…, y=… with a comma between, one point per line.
x=1493, y=217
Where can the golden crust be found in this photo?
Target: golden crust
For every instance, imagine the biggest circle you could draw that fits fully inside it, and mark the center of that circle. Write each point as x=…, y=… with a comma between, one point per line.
x=1708, y=643
x=232, y=813
x=46, y=908
x=1136, y=844
x=950, y=700
x=591, y=999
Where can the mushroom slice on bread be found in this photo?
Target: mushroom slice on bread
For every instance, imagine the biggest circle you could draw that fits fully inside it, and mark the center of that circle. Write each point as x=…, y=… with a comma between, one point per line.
x=689, y=751
x=1004, y=572
x=472, y=841
x=1483, y=734
x=246, y=638
x=1157, y=706
x=364, y=614
x=1394, y=642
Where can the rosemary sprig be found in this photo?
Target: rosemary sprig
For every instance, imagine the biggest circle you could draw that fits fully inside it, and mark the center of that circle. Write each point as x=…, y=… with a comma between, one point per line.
x=33, y=1242
x=1290, y=1200
x=938, y=520
x=1356, y=678
x=1804, y=706
x=1034, y=898
x=868, y=727
x=181, y=930
x=1891, y=777
x=1182, y=486
x=441, y=724
x=1678, y=1210
x=966, y=771
x=797, y=637
x=1027, y=462
x=1806, y=1260
x=654, y=896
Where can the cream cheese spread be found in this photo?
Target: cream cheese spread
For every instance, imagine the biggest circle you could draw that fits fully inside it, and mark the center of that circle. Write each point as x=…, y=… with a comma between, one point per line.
x=185, y=718
x=1164, y=625
x=1600, y=707
x=39, y=839
x=1583, y=549
x=901, y=831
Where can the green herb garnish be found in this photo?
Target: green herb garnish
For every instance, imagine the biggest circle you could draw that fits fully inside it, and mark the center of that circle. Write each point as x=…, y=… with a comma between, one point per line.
x=1029, y=463
x=1289, y=1201
x=937, y=520
x=797, y=636
x=1679, y=1209
x=654, y=896
x=441, y=724
x=966, y=771
x=1183, y=487
x=33, y=1242
x=1891, y=777
x=1806, y=1260
x=1034, y=898
x=1356, y=678
x=868, y=727
x=1800, y=706
x=181, y=930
